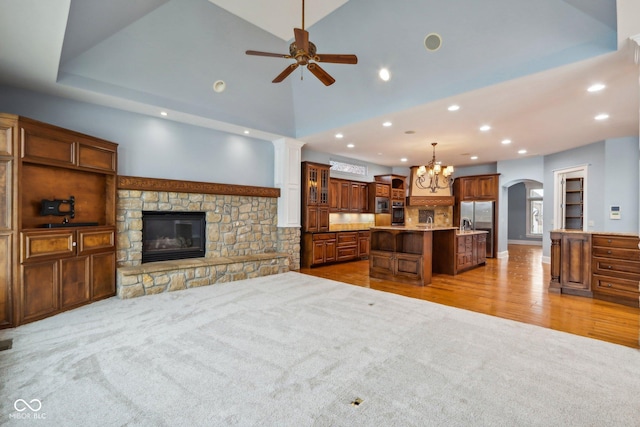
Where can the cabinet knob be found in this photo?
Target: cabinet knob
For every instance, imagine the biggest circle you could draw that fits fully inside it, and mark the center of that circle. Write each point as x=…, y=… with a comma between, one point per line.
x=609, y=267
x=609, y=252
x=609, y=240
x=608, y=285
x=74, y=244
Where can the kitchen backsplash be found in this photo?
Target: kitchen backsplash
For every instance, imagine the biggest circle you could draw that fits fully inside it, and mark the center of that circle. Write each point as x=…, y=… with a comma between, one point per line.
x=442, y=215
x=351, y=221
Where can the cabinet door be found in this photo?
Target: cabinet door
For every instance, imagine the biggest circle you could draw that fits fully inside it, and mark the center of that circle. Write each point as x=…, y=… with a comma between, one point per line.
x=334, y=195
x=323, y=189
x=409, y=266
x=47, y=146
x=363, y=246
x=481, y=248
x=318, y=255
x=364, y=197
x=345, y=196
x=356, y=198
x=381, y=262
x=103, y=275
x=323, y=218
x=311, y=224
x=486, y=188
x=312, y=182
x=93, y=156
x=576, y=261
x=39, y=245
x=330, y=251
x=74, y=285
x=468, y=189
x=39, y=293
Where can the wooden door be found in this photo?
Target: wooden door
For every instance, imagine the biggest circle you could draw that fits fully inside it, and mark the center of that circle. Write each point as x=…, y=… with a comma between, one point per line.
x=576, y=262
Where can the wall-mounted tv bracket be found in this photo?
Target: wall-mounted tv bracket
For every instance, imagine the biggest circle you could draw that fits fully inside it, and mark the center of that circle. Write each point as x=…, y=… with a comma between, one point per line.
x=52, y=207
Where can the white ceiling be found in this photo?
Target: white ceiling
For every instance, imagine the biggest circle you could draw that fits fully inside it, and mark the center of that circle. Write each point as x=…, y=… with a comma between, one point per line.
x=288, y=13
x=545, y=112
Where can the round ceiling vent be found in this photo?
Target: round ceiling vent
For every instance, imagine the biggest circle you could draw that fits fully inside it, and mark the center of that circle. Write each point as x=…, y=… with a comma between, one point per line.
x=433, y=42
x=219, y=86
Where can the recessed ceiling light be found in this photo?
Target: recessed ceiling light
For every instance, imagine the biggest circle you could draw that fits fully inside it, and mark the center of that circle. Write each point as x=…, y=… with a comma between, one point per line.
x=603, y=116
x=339, y=135
x=474, y=157
x=163, y=113
x=485, y=128
x=384, y=74
x=404, y=159
x=506, y=141
x=246, y=132
x=409, y=132
x=522, y=151
x=379, y=154
x=453, y=107
x=386, y=124
x=350, y=145
x=596, y=87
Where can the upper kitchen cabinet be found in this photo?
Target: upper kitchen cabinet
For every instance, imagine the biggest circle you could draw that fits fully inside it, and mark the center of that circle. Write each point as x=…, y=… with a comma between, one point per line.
x=397, y=185
x=477, y=187
x=315, y=197
x=347, y=196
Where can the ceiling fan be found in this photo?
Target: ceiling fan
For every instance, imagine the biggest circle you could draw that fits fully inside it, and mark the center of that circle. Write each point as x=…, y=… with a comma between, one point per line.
x=304, y=52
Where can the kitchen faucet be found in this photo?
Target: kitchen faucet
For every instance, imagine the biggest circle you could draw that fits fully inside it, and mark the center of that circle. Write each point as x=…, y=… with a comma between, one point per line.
x=464, y=222
x=430, y=220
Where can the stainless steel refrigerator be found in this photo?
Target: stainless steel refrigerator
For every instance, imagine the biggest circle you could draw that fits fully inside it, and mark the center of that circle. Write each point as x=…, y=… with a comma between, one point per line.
x=480, y=216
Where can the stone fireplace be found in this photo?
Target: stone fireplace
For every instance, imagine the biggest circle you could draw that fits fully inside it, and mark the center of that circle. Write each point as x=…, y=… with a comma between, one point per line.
x=242, y=239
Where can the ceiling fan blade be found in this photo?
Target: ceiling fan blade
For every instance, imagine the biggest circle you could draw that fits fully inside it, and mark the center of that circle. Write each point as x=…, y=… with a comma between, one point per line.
x=275, y=55
x=283, y=75
x=336, y=58
x=302, y=39
x=321, y=74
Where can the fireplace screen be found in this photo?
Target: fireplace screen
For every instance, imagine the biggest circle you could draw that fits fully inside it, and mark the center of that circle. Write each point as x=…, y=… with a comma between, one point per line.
x=172, y=235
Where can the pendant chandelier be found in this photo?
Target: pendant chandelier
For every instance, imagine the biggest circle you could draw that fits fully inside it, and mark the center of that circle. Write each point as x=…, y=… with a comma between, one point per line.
x=433, y=176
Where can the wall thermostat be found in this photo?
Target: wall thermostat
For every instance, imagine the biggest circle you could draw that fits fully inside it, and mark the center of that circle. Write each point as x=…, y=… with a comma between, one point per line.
x=614, y=212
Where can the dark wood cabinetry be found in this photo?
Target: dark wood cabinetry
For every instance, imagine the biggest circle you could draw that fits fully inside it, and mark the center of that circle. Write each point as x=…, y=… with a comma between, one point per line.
x=477, y=187
x=401, y=255
x=364, y=244
x=571, y=263
x=616, y=269
x=470, y=251
x=325, y=248
x=315, y=197
x=348, y=196
x=397, y=184
x=54, y=263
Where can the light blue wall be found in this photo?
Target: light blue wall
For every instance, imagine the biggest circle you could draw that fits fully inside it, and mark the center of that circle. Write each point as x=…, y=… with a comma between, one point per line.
x=621, y=163
x=154, y=147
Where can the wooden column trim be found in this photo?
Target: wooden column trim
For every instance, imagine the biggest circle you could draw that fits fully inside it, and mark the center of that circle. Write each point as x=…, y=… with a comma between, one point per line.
x=179, y=186
x=556, y=262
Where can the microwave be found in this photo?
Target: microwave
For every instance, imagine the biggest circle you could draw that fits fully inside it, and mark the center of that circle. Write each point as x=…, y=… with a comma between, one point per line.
x=382, y=205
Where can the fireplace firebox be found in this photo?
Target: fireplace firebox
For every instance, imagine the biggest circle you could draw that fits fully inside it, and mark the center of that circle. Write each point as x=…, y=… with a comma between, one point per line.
x=172, y=235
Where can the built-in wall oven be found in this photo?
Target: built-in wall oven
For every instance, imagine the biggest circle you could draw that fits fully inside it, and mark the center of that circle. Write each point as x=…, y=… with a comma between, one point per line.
x=397, y=213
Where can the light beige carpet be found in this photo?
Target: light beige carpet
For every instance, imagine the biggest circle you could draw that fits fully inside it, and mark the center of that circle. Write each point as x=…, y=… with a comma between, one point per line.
x=294, y=350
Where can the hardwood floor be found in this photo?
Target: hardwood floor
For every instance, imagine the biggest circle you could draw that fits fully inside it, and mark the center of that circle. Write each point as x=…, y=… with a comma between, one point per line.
x=513, y=288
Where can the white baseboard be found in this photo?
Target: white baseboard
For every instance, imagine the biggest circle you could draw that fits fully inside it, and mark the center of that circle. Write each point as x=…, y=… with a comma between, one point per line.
x=502, y=255
x=525, y=242
x=546, y=260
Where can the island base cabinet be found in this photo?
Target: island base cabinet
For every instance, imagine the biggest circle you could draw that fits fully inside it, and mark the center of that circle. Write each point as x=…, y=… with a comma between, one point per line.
x=398, y=267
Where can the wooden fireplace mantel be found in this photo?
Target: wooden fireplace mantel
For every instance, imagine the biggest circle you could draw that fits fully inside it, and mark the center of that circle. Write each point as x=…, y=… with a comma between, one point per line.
x=178, y=186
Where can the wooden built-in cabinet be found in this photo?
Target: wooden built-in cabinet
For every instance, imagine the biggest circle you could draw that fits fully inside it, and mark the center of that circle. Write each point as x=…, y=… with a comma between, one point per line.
x=330, y=247
x=604, y=266
x=401, y=255
x=54, y=263
x=456, y=252
x=571, y=263
x=315, y=197
x=397, y=183
x=348, y=196
x=476, y=187
x=615, y=266
x=574, y=204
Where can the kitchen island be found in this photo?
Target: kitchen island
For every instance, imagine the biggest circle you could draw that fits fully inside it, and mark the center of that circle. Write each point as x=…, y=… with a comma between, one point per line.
x=412, y=254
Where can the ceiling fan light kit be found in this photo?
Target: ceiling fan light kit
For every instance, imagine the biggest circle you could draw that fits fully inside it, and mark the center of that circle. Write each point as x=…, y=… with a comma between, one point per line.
x=305, y=54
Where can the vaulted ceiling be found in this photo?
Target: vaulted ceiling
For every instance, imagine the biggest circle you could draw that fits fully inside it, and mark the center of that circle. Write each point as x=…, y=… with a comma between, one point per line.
x=521, y=67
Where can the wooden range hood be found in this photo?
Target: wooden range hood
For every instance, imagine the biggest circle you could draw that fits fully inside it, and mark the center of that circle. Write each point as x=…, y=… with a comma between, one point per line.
x=424, y=197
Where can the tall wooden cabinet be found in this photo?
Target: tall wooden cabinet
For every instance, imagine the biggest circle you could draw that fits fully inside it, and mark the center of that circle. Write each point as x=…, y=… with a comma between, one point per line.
x=63, y=256
x=315, y=197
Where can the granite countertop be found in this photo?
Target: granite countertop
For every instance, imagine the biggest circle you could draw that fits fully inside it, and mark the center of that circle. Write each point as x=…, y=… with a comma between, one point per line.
x=608, y=233
x=425, y=228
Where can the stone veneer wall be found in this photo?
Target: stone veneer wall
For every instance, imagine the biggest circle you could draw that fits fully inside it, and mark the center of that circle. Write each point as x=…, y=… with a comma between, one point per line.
x=236, y=225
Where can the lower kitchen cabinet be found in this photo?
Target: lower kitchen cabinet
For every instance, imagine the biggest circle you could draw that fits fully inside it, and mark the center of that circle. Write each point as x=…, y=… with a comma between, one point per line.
x=63, y=269
x=471, y=251
x=324, y=248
